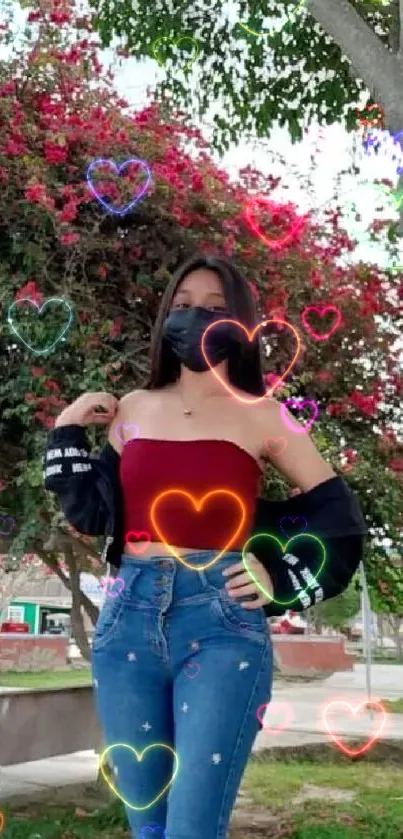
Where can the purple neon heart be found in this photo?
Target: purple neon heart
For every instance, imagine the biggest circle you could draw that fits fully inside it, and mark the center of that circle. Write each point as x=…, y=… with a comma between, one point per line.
x=3, y=520
x=118, y=171
x=152, y=829
x=293, y=519
x=298, y=406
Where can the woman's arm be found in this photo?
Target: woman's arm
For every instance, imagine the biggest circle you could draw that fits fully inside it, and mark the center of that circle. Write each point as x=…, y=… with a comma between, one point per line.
x=332, y=513
x=70, y=471
x=299, y=461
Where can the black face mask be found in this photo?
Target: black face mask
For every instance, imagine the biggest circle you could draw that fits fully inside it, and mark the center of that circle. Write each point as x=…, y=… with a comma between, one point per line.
x=184, y=330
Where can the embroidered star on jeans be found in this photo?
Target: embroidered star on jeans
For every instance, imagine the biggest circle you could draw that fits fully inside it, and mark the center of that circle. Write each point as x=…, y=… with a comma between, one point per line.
x=184, y=708
x=147, y=726
x=132, y=657
x=243, y=665
x=216, y=759
x=194, y=645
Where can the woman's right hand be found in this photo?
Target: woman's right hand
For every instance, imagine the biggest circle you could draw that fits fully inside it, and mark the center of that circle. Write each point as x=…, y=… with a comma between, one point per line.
x=82, y=410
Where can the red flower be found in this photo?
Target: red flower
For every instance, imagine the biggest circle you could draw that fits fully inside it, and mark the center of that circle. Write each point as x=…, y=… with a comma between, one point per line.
x=29, y=291
x=69, y=238
x=37, y=371
x=116, y=328
x=51, y=385
x=324, y=376
x=396, y=464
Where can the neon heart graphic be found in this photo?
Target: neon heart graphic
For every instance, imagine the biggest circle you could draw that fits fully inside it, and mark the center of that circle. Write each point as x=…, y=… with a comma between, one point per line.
x=40, y=309
x=272, y=32
x=7, y=525
x=197, y=505
x=104, y=582
x=293, y=519
x=284, y=707
x=139, y=758
x=176, y=43
x=118, y=170
x=298, y=405
x=251, y=336
x=353, y=710
x=140, y=536
x=191, y=670
x=274, y=244
x=247, y=549
x=120, y=429
x=152, y=828
x=275, y=445
x=322, y=311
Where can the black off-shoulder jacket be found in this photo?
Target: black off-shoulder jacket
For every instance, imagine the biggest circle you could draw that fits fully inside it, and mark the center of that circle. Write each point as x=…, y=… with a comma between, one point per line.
x=89, y=492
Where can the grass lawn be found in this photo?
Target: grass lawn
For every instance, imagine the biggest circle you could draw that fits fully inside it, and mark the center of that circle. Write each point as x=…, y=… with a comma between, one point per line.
x=46, y=678
x=269, y=809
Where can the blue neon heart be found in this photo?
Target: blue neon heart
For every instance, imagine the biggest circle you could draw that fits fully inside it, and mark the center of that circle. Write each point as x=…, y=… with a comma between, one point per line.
x=118, y=171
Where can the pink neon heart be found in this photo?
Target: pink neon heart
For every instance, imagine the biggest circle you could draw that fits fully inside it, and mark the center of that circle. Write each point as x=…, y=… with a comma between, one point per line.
x=194, y=665
x=321, y=311
x=353, y=710
x=274, y=244
x=123, y=426
x=298, y=405
x=288, y=715
x=141, y=536
x=104, y=585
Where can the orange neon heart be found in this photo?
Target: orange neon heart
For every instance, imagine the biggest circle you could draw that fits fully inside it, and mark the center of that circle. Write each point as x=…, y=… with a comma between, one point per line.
x=353, y=710
x=251, y=336
x=198, y=506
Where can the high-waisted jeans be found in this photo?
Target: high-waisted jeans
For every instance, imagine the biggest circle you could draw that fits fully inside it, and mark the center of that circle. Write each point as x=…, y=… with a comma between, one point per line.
x=180, y=670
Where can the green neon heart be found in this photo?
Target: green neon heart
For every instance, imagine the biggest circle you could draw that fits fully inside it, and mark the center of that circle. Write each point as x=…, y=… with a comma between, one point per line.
x=246, y=549
x=40, y=310
x=272, y=32
x=176, y=43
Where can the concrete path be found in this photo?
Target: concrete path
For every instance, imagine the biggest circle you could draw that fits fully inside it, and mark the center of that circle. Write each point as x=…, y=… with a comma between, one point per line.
x=301, y=713
x=297, y=712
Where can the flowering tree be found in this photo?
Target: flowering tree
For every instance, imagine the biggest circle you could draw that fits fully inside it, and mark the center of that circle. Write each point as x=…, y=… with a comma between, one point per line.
x=107, y=270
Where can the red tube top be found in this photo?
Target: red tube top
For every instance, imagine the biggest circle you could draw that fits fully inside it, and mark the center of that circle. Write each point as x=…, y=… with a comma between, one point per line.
x=190, y=494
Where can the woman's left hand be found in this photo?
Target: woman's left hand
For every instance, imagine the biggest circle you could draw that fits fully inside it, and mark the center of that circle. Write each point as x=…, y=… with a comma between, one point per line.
x=242, y=585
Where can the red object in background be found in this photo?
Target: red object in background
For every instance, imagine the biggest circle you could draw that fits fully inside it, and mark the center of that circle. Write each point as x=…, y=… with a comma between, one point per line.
x=285, y=627
x=8, y=626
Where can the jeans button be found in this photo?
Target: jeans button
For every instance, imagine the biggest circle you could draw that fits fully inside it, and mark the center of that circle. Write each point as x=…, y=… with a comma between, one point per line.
x=162, y=581
x=164, y=563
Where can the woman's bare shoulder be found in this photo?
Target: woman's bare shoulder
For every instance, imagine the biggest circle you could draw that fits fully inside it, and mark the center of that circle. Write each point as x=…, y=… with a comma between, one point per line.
x=134, y=397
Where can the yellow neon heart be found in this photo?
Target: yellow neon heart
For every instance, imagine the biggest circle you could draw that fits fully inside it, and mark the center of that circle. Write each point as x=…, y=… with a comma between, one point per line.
x=176, y=43
x=246, y=549
x=273, y=31
x=139, y=756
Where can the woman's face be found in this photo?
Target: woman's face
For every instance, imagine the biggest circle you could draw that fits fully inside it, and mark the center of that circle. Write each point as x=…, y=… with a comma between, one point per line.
x=200, y=288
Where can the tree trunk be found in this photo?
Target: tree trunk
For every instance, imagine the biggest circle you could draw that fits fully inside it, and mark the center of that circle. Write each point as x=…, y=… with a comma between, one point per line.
x=77, y=622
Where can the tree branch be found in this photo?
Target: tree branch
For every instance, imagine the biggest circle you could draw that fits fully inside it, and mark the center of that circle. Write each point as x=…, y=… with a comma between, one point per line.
x=379, y=69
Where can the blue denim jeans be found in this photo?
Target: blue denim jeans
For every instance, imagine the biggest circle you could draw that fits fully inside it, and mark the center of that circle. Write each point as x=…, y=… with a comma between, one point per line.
x=180, y=670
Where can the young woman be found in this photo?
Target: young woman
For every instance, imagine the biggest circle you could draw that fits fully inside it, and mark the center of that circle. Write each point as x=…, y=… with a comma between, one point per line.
x=181, y=654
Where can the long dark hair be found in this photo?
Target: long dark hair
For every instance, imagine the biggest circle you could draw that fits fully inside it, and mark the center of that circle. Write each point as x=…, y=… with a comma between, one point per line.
x=244, y=363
